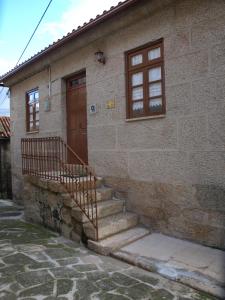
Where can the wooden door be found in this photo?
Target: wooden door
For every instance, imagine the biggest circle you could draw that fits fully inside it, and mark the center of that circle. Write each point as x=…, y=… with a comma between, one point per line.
x=77, y=117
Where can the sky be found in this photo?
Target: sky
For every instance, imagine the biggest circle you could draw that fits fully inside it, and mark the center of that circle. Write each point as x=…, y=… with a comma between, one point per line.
x=18, y=19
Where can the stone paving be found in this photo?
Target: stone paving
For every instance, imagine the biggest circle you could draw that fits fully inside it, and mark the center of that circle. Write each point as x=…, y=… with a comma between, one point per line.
x=38, y=264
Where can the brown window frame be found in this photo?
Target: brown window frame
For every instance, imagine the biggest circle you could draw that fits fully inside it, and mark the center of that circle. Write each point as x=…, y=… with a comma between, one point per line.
x=34, y=113
x=144, y=68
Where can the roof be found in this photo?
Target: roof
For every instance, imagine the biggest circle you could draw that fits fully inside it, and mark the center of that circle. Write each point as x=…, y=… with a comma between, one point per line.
x=4, y=127
x=71, y=35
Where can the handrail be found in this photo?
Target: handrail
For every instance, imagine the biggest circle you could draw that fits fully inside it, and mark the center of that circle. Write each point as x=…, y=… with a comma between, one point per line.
x=50, y=158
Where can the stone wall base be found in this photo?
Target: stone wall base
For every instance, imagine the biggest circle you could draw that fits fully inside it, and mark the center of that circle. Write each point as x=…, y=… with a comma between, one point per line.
x=46, y=203
x=193, y=212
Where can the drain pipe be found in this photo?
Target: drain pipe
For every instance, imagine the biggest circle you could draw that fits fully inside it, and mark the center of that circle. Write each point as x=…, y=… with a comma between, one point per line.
x=47, y=102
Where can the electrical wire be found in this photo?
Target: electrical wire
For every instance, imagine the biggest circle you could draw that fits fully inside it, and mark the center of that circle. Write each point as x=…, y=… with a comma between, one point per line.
x=2, y=101
x=34, y=31
x=6, y=95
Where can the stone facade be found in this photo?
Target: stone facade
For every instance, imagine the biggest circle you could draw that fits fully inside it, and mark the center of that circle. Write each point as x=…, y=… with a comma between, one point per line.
x=171, y=169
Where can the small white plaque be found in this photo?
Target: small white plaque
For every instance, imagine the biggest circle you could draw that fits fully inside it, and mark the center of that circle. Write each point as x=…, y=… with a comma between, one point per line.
x=93, y=109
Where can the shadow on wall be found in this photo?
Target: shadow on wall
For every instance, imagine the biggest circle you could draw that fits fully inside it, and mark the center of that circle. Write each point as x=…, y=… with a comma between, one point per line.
x=5, y=170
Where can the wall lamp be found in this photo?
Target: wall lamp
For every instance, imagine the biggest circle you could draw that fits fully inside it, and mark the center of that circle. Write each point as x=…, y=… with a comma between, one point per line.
x=2, y=84
x=100, y=57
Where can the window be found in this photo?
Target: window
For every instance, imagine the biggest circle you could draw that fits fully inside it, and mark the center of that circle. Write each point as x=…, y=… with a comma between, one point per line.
x=145, y=81
x=32, y=107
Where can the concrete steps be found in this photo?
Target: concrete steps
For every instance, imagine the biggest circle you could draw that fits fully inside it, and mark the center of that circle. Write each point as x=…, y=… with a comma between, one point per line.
x=105, y=208
x=111, y=225
x=117, y=241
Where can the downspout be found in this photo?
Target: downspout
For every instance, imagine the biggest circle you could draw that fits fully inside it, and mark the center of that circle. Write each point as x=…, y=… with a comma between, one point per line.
x=49, y=82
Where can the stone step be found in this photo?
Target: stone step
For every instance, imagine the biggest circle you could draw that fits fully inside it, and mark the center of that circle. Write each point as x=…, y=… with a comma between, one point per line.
x=111, y=225
x=9, y=214
x=117, y=241
x=82, y=183
x=105, y=208
x=102, y=194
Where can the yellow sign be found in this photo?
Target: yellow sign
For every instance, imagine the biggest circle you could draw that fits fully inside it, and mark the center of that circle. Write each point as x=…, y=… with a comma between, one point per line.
x=111, y=104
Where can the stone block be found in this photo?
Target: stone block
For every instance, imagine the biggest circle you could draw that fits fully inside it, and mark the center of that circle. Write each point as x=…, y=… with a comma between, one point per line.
x=109, y=162
x=202, y=96
x=217, y=130
x=158, y=166
x=217, y=65
x=178, y=99
x=75, y=236
x=207, y=33
x=66, y=230
x=66, y=215
x=211, y=197
x=102, y=137
x=177, y=43
x=186, y=68
x=206, y=167
x=151, y=134
x=193, y=133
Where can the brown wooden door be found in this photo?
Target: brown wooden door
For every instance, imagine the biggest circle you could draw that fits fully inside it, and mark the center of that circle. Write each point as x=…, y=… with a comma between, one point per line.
x=77, y=117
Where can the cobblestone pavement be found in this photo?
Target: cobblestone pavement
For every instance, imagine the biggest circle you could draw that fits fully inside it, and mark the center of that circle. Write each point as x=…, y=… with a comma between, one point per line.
x=38, y=264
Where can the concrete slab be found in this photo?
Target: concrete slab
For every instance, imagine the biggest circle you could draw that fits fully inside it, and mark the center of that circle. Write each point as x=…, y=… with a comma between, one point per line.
x=199, y=266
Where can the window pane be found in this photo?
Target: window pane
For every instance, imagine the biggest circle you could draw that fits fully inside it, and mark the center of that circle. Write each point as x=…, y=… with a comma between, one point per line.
x=155, y=105
x=138, y=106
x=36, y=95
x=37, y=106
x=155, y=89
x=155, y=74
x=31, y=125
x=137, y=93
x=37, y=124
x=137, y=79
x=31, y=108
x=37, y=116
x=31, y=98
x=154, y=53
x=137, y=59
x=31, y=117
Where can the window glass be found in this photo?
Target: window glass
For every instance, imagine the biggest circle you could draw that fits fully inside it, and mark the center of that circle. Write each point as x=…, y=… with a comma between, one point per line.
x=36, y=95
x=155, y=89
x=33, y=110
x=137, y=79
x=137, y=93
x=154, y=53
x=137, y=59
x=138, y=106
x=155, y=105
x=155, y=74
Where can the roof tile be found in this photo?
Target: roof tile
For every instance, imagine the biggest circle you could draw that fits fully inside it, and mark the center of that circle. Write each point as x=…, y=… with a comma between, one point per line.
x=4, y=127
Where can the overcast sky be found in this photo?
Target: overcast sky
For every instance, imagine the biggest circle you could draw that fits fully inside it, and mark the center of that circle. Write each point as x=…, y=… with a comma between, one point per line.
x=18, y=18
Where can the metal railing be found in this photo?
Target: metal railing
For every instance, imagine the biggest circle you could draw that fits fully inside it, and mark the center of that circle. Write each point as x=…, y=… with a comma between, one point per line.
x=50, y=158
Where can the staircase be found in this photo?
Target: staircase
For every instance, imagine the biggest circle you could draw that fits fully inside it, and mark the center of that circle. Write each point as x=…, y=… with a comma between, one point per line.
x=116, y=226
x=96, y=214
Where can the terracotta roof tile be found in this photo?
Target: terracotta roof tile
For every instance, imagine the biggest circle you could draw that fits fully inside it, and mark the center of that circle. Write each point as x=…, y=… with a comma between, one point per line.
x=75, y=32
x=4, y=127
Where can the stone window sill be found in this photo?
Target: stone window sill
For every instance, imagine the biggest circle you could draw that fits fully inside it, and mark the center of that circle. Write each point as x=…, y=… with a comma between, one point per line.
x=32, y=132
x=145, y=118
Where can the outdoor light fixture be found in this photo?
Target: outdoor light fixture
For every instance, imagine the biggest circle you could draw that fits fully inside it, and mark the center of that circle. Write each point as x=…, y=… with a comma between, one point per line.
x=100, y=57
x=2, y=84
